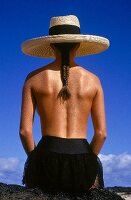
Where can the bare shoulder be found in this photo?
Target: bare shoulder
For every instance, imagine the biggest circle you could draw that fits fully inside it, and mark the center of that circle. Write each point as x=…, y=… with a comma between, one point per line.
x=35, y=74
x=94, y=79
x=28, y=79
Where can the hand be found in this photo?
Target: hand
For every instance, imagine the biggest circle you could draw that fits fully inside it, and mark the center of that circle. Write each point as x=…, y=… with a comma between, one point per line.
x=96, y=183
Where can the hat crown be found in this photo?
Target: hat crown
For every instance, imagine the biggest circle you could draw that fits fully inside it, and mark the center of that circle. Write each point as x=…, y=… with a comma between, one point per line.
x=68, y=20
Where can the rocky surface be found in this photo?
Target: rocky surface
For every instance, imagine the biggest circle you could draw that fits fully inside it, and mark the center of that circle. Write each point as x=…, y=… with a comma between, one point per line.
x=15, y=192
x=124, y=192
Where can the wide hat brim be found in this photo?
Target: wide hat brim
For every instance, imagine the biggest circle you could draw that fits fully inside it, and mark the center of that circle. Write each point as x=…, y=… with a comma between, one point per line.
x=89, y=44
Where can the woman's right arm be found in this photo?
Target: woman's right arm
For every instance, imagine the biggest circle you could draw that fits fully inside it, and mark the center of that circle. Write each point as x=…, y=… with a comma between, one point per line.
x=98, y=119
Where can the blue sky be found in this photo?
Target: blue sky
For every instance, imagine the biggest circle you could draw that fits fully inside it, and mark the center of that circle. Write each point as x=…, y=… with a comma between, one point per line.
x=22, y=20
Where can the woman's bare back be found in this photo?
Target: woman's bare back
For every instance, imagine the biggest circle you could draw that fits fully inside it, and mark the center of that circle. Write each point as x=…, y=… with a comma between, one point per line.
x=68, y=119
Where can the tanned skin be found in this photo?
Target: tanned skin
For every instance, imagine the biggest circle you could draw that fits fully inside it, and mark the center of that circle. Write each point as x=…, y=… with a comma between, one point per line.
x=68, y=119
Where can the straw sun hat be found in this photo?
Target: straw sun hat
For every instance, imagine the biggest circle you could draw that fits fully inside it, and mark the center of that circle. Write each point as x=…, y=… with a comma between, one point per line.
x=64, y=29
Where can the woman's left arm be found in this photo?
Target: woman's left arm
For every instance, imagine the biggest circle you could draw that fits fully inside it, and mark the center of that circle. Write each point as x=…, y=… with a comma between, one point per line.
x=27, y=117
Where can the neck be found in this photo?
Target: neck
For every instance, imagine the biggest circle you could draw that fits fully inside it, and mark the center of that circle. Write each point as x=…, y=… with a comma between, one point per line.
x=58, y=61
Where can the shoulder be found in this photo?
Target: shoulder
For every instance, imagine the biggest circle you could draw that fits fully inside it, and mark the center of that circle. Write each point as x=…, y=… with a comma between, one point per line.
x=29, y=79
x=34, y=78
x=93, y=77
x=93, y=80
x=97, y=83
x=33, y=75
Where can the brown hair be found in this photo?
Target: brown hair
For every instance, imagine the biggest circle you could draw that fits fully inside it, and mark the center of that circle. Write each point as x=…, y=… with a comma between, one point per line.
x=65, y=48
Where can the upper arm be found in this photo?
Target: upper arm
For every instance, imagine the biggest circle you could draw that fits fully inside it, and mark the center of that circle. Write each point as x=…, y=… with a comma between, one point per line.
x=98, y=110
x=27, y=108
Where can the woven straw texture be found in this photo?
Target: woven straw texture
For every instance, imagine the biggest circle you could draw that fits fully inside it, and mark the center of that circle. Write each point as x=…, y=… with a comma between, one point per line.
x=69, y=19
x=89, y=44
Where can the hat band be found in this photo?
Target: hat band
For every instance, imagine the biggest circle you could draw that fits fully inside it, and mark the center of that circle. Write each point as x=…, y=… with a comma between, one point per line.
x=64, y=29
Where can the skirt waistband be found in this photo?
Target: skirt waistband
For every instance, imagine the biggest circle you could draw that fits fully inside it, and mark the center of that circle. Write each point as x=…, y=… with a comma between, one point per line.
x=64, y=145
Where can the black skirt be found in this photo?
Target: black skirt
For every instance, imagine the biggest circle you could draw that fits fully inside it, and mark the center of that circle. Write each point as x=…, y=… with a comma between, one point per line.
x=62, y=164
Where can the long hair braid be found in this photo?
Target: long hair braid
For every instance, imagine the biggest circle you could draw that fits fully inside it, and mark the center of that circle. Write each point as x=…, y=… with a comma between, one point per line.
x=65, y=48
x=65, y=92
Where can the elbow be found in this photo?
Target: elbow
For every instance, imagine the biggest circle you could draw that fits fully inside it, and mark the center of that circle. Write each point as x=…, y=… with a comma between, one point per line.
x=101, y=134
x=24, y=133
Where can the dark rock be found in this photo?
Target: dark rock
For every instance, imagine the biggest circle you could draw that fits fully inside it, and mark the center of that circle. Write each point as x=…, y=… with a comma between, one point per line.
x=126, y=190
x=16, y=192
